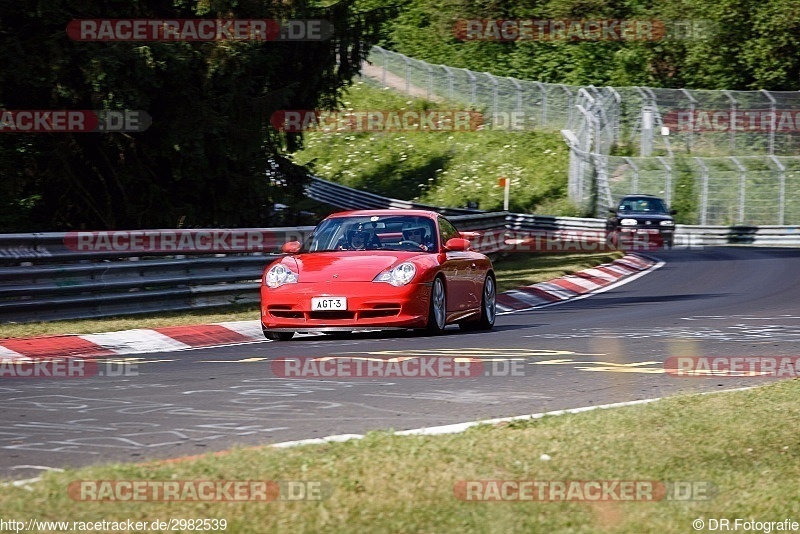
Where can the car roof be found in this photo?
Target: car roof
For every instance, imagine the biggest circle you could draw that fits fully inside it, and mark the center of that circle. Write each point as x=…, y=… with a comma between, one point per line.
x=641, y=196
x=385, y=213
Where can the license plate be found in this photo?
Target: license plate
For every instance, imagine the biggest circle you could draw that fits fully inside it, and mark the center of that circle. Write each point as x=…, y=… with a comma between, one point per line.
x=328, y=303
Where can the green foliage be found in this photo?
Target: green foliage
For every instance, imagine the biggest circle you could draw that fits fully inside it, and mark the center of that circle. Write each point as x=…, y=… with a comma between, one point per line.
x=441, y=168
x=731, y=44
x=207, y=157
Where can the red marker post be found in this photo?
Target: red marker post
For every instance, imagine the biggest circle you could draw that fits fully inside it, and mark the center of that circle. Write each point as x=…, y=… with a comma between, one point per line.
x=506, y=184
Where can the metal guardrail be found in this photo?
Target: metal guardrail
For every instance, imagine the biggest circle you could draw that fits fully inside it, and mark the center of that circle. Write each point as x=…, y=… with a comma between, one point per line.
x=48, y=276
x=349, y=198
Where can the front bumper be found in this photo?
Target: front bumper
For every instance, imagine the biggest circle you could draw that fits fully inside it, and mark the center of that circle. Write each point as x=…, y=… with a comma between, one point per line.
x=369, y=305
x=644, y=237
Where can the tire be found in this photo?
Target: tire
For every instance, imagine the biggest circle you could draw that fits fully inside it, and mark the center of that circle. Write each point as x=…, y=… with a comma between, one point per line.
x=278, y=336
x=488, y=307
x=437, y=309
x=339, y=334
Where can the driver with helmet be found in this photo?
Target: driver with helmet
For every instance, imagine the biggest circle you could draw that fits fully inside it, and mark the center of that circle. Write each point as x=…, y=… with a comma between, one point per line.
x=358, y=239
x=417, y=234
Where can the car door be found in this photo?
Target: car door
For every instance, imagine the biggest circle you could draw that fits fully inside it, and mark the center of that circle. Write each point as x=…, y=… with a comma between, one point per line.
x=459, y=271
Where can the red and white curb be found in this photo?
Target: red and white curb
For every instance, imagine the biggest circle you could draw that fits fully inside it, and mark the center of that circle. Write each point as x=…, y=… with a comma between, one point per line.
x=140, y=341
x=573, y=286
x=177, y=338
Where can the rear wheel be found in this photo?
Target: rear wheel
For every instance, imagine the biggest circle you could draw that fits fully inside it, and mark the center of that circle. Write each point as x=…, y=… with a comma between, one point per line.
x=488, y=307
x=437, y=311
x=278, y=336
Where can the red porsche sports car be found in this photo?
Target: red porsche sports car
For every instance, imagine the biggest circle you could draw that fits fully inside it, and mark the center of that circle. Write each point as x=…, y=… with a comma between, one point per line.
x=378, y=269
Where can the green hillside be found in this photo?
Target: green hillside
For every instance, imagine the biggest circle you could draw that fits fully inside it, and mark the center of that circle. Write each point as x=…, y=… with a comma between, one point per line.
x=441, y=168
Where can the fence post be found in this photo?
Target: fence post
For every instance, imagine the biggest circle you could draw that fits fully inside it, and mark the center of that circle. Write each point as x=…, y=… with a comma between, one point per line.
x=569, y=102
x=782, y=185
x=704, y=193
x=615, y=120
x=604, y=198
x=668, y=184
x=635, y=183
x=430, y=81
x=742, y=175
x=449, y=82
x=645, y=125
x=541, y=87
x=733, y=114
x=473, y=86
x=773, y=122
x=518, y=104
x=408, y=82
x=385, y=64
x=495, y=84
x=692, y=107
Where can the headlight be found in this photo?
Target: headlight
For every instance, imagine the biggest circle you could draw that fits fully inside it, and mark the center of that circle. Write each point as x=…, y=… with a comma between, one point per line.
x=398, y=276
x=667, y=223
x=628, y=222
x=279, y=275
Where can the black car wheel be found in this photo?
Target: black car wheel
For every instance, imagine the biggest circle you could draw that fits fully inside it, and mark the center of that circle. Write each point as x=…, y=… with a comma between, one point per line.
x=278, y=336
x=488, y=308
x=437, y=311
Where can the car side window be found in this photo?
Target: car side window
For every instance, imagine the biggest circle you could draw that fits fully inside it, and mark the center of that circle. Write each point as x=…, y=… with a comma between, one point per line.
x=446, y=231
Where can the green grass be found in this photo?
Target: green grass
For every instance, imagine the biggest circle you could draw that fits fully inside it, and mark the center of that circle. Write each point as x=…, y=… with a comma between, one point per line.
x=442, y=168
x=512, y=271
x=744, y=445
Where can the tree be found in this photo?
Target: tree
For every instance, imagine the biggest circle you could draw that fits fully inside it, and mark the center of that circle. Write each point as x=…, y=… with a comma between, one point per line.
x=205, y=158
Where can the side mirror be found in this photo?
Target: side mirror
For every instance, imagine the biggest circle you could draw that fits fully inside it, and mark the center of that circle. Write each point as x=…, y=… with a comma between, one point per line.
x=457, y=244
x=292, y=247
x=612, y=211
x=673, y=212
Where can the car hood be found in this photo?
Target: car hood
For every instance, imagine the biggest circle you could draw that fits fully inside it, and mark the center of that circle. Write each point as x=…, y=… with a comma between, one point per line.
x=347, y=266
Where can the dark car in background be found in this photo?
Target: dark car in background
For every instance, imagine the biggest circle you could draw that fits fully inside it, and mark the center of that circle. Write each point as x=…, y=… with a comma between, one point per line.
x=641, y=220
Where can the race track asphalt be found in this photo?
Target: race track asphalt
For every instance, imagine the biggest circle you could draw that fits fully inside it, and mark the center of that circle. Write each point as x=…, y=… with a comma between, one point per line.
x=609, y=347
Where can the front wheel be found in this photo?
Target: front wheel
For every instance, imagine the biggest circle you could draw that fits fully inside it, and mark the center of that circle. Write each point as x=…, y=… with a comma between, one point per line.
x=437, y=311
x=278, y=336
x=488, y=307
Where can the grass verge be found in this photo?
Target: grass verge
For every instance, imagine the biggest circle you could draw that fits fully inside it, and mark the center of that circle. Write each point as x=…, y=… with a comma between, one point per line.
x=512, y=271
x=742, y=445
x=438, y=167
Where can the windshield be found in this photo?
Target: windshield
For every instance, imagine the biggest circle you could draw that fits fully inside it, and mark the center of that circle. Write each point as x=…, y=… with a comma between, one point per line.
x=642, y=205
x=391, y=232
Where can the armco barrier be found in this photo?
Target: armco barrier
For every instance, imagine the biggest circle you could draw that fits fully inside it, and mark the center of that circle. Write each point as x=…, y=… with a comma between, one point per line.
x=349, y=198
x=51, y=276
x=43, y=279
